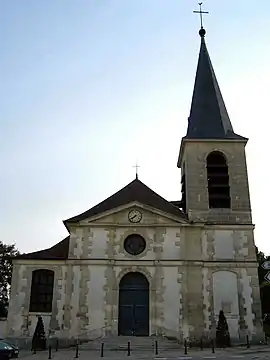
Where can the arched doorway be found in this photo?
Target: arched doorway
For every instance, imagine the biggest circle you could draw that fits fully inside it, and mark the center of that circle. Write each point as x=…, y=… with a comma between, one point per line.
x=133, y=312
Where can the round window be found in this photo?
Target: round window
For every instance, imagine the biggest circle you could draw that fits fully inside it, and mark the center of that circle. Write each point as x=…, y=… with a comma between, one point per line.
x=134, y=244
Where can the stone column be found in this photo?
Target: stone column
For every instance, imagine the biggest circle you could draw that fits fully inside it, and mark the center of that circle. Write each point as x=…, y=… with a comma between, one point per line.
x=194, y=301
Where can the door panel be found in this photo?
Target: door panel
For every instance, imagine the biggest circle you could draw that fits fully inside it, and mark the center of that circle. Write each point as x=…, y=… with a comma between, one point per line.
x=141, y=320
x=133, y=305
x=126, y=320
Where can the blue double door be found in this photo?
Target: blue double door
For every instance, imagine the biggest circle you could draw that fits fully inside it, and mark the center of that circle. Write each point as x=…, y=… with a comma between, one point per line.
x=133, y=305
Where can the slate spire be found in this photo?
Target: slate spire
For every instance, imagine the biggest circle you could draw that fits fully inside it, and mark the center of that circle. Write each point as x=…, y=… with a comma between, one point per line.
x=208, y=118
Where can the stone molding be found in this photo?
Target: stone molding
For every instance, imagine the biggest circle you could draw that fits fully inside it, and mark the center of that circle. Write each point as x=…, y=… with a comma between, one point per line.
x=138, y=231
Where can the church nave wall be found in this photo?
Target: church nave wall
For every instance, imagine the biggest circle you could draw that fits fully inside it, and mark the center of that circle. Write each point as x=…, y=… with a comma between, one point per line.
x=186, y=293
x=108, y=243
x=85, y=315
x=233, y=288
x=172, y=301
x=23, y=310
x=164, y=296
x=228, y=243
x=226, y=297
x=189, y=243
x=192, y=323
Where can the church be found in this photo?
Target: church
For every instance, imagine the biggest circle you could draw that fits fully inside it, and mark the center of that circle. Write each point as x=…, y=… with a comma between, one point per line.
x=139, y=265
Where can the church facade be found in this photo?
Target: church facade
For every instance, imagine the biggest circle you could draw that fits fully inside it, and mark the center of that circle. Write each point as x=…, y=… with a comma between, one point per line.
x=137, y=264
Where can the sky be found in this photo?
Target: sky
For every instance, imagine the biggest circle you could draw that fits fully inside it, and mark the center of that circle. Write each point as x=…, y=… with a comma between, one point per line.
x=89, y=87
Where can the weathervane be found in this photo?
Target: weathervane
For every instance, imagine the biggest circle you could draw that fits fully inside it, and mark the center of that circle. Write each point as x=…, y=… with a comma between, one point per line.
x=201, y=13
x=136, y=166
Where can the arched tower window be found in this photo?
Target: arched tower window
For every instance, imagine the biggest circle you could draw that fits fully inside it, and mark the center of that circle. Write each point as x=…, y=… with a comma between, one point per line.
x=41, y=291
x=218, y=181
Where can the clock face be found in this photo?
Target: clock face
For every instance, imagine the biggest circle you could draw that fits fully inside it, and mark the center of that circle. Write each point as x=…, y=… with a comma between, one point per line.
x=134, y=216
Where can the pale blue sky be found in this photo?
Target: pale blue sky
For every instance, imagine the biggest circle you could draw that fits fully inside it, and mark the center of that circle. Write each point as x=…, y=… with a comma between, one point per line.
x=89, y=86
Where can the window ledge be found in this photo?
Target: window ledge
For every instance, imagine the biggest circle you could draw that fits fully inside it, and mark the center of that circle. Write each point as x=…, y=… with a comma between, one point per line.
x=39, y=313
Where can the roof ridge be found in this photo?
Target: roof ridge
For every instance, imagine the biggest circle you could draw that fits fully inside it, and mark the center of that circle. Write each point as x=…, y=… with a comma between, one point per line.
x=136, y=190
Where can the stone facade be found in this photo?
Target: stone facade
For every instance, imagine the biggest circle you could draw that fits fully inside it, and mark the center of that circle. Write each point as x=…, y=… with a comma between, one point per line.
x=192, y=161
x=198, y=254
x=194, y=270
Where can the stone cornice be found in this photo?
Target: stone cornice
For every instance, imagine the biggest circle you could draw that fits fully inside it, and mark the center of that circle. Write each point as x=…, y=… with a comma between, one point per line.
x=172, y=225
x=141, y=262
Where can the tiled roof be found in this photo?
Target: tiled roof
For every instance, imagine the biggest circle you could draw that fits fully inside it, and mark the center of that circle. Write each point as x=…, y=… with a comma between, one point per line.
x=134, y=191
x=56, y=252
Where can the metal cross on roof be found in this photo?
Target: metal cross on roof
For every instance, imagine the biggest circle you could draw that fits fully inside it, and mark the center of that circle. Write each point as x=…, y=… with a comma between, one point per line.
x=201, y=12
x=136, y=166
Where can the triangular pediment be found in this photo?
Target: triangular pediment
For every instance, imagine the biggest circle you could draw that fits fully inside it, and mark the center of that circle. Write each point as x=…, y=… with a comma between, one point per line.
x=133, y=214
x=135, y=192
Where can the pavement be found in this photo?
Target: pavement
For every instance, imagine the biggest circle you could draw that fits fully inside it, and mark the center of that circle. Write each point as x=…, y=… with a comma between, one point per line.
x=259, y=353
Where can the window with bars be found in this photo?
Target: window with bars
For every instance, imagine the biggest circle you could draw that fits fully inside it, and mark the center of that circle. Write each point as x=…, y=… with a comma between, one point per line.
x=42, y=291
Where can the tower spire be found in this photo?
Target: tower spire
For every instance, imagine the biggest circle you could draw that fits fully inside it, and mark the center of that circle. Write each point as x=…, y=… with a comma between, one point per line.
x=208, y=115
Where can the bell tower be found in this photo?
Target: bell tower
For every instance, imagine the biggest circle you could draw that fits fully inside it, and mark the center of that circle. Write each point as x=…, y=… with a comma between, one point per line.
x=212, y=156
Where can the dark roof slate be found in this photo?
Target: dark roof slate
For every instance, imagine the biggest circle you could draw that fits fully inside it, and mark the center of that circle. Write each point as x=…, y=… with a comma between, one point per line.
x=134, y=191
x=208, y=118
x=56, y=252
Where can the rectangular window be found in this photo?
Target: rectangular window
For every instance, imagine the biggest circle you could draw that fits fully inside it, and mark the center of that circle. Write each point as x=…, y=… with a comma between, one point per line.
x=42, y=291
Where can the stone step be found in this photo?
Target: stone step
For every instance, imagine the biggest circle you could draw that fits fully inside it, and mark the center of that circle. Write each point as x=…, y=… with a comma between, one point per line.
x=136, y=343
x=97, y=347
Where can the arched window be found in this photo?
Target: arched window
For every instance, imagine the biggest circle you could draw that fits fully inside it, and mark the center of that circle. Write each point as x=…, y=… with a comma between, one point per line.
x=41, y=291
x=218, y=181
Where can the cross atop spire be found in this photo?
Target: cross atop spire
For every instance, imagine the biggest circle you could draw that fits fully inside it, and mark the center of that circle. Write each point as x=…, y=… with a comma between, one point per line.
x=202, y=31
x=208, y=118
x=136, y=166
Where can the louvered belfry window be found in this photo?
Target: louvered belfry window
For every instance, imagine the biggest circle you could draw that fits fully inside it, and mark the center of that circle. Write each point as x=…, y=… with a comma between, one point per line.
x=218, y=181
